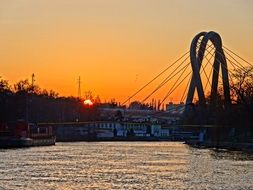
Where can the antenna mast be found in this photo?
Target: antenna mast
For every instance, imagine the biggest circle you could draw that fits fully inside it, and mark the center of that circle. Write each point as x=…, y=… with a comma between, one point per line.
x=79, y=87
x=33, y=79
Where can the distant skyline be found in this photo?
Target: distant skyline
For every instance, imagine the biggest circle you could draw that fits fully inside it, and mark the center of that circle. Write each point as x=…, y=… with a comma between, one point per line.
x=114, y=46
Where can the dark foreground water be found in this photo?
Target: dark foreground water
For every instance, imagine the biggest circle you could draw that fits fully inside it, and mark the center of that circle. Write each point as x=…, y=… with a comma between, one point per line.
x=124, y=165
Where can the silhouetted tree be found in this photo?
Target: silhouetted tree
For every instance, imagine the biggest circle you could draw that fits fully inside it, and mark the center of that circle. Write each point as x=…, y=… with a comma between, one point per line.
x=242, y=96
x=27, y=101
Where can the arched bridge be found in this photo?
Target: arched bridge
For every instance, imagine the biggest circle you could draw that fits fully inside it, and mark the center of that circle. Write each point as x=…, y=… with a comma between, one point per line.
x=201, y=75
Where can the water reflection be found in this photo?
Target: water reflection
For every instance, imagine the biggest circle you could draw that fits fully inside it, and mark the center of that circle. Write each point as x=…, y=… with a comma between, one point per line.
x=124, y=165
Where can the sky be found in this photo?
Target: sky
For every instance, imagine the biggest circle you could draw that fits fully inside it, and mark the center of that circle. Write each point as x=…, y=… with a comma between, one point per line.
x=115, y=46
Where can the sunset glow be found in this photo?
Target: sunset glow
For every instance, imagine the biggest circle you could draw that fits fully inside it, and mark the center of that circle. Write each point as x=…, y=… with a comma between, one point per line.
x=114, y=46
x=126, y=94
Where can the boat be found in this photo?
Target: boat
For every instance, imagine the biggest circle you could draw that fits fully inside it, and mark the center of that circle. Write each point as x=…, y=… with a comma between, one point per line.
x=22, y=134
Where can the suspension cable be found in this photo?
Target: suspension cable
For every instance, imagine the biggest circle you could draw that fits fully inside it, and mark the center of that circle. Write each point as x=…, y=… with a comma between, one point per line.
x=222, y=64
x=203, y=68
x=167, y=79
x=175, y=86
x=188, y=83
x=187, y=86
x=209, y=76
x=155, y=78
x=184, y=93
x=241, y=67
x=238, y=56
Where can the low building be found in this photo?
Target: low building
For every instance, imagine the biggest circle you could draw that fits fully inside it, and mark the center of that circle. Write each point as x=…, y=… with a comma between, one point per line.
x=175, y=108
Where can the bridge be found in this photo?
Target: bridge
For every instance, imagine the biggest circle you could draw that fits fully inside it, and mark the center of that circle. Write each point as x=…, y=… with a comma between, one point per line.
x=203, y=76
x=206, y=73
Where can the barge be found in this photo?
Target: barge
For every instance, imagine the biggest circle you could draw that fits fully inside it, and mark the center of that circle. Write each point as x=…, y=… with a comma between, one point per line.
x=21, y=134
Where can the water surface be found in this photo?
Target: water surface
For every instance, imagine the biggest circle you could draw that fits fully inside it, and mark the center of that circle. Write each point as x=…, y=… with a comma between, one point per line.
x=124, y=165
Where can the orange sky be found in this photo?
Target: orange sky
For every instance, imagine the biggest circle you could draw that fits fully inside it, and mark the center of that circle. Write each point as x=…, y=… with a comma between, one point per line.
x=115, y=46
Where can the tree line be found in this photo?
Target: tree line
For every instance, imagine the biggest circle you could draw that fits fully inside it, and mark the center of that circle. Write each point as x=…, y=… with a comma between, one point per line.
x=26, y=101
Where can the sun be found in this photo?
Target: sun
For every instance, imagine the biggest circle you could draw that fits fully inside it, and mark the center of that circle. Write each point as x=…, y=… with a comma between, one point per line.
x=88, y=102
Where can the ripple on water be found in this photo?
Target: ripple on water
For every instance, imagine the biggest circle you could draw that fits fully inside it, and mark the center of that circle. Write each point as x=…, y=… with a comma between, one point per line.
x=124, y=165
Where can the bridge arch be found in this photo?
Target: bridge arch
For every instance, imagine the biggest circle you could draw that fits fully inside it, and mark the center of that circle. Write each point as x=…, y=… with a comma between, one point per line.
x=196, y=57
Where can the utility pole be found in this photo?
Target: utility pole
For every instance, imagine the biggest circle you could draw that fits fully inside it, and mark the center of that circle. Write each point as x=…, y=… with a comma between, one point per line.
x=79, y=97
x=33, y=79
x=79, y=87
x=28, y=101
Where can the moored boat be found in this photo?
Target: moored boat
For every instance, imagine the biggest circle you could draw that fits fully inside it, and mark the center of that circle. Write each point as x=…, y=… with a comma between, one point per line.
x=22, y=134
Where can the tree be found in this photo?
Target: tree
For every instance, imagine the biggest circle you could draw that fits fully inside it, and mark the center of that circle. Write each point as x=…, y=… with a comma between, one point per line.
x=88, y=95
x=242, y=96
x=242, y=87
x=97, y=100
x=23, y=86
x=6, y=103
x=4, y=86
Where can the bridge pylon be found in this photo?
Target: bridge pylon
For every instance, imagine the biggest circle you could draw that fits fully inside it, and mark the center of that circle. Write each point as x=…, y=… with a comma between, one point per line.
x=196, y=56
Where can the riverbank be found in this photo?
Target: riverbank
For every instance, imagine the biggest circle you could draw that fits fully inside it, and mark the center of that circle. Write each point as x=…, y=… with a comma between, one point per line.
x=234, y=146
x=133, y=138
x=11, y=142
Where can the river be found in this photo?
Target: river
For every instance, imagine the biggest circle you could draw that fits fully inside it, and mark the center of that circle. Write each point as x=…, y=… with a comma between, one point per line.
x=124, y=165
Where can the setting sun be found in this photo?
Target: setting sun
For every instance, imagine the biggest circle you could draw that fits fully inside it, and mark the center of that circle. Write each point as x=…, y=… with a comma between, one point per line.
x=134, y=94
x=88, y=102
